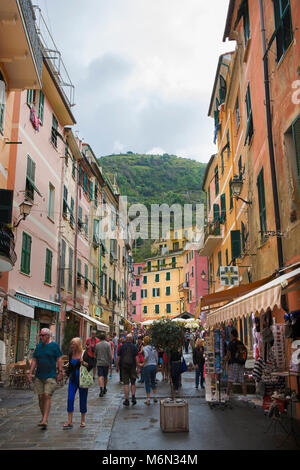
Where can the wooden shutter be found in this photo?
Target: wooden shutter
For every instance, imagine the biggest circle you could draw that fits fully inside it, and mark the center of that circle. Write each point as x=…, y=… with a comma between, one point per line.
x=223, y=208
x=26, y=253
x=216, y=212
x=235, y=244
x=168, y=290
x=296, y=138
x=41, y=107
x=48, y=267
x=262, y=202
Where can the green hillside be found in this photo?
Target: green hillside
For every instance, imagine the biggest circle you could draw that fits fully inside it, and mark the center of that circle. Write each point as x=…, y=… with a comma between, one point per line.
x=155, y=179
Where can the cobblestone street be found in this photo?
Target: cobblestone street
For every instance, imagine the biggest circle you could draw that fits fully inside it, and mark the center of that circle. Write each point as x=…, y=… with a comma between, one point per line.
x=110, y=426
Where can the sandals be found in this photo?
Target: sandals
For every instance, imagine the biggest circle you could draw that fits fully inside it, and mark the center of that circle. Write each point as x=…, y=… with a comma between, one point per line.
x=82, y=425
x=43, y=426
x=147, y=402
x=67, y=426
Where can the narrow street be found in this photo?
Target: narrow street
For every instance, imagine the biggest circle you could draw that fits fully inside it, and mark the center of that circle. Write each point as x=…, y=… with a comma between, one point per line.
x=110, y=426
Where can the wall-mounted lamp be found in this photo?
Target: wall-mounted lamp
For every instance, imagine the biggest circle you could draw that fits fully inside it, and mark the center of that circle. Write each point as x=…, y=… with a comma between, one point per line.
x=25, y=208
x=236, y=188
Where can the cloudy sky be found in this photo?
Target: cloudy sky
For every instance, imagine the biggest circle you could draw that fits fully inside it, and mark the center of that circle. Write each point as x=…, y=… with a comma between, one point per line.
x=143, y=71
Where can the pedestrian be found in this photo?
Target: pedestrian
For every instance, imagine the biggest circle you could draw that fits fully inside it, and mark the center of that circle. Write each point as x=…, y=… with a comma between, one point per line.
x=165, y=367
x=91, y=349
x=115, y=340
x=128, y=358
x=199, y=360
x=150, y=367
x=77, y=358
x=193, y=341
x=121, y=341
x=46, y=359
x=104, y=360
x=236, y=356
x=175, y=359
x=108, y=339
x=140, y=345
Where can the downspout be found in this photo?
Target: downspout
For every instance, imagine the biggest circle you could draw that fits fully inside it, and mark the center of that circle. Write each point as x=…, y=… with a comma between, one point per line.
x=60, y=271
x=76, y=238
x=270, y=139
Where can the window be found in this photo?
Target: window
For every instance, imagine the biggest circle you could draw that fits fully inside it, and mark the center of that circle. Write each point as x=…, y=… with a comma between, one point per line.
x=222, y=162
x=192, y=271
x=262, y=203
x=228, y=143
x=73, y=168
x=96, y=239
x=226, y=255
x=85, y=182
x=78, y=271
x=144, y=279
x=137, y=282
x=133, y=296
x=222, y=90
x=70, y=270
x=149, y=266
x=216, y=212
x=94, y=280
x=244, y=238
x=208, y=197
x=217, y=180
x=144, y=293
x=91, y=191
x=156, y=277
x=296, y=142
x=30, y=97
x=51, y=201
x=174, y=262
x=235, y=244
x=41, y=107
x=249, y=131
x=243, y=12
x=168, y=308
x=156, y=308
x=80, y=222
x=140, y=270
x=2, y=102
x=26, y=253
x=237, y=113
x=54, y=131
x=283, y=26
x=30, y=179
x=48, y=267
x=134, y=310
x=156, y=292
x=168, y=290
x=223, y=208
x=145, y=309
x=86, y=276
x=240, y=165
x=231, y=196
x=62, y=264
x=219, y=262
x=168, y=276
x=86, y=226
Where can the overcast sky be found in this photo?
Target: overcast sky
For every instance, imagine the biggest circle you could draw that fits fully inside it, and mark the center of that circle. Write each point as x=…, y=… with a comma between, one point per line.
x=143, y=71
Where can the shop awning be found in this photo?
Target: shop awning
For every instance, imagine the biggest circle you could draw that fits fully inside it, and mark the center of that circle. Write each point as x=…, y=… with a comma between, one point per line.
x=40, y=303
x=19, y=307
x=258, y=300
x=229, y=295
x=100, y=325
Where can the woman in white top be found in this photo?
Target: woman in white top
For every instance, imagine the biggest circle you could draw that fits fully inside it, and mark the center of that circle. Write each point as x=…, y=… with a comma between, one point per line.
x=150, y=368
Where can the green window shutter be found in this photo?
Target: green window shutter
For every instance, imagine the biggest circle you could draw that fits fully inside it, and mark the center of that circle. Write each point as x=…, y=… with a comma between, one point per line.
x=54, y=130
x=174, y=262
x=240, y=165
x=168, y=290
x=223, y=208
x=145, y=309
x=65, y=201
x=91, y=191
x=80, y=214
x=26, y=253
x=153, y=292
x=235, y=244
x=86, y=276
x=283, y=26
x=222, y=91
x=30, y=178
x=41, y=107
x=296, y=138
x=145, y=280
x=217, y=180
x=168, y=276
x=231, y=196
x=168, y=308
x=79, y=175
x=216, y=212
x=156, y=277
x=142, y=293
x=149, y=266
x=48, y=268
x=73, y=168
x=262, y=203
x=219, y=262
x=30, y=96
x=249, y=131
x=85, y=182
x=79, y=266
x=156, y=308
x=226, y=255
x=86, y=226
x=208, y=197
x=72, y=212
x=133, y=295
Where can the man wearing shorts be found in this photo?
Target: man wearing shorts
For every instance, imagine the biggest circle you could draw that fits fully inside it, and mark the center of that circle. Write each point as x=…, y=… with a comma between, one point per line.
x=104, y=360
x=235, y=369
x=128, y=357
x=46, y=358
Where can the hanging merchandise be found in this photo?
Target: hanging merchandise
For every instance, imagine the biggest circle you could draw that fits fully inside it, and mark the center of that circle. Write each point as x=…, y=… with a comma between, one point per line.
x=215, y=376
x=279, y=347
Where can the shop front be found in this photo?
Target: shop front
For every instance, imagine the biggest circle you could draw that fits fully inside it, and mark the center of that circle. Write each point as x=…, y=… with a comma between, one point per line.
x=270, y=331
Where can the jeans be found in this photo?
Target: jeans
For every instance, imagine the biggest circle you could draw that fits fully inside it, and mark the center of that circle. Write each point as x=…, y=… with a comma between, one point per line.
x=199, y=372
x=142, y=379
x=175, y=373
x=149, y=375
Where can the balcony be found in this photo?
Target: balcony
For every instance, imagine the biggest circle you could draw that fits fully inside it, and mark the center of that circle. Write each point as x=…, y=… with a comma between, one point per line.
x=183, y=286
x=8, y=256
x=212, y=238
x=20, y=49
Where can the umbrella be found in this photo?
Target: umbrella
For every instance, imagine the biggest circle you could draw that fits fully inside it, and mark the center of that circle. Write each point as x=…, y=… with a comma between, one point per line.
x=179, y=320
x=147, y=322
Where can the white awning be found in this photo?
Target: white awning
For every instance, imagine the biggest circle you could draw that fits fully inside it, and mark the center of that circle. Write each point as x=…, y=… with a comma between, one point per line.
x=100, y=325
x=258, y=300
x=19, y=307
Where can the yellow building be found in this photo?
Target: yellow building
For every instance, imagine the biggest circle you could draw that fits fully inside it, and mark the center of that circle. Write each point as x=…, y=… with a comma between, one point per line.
x=175, y=240
x=160, y=280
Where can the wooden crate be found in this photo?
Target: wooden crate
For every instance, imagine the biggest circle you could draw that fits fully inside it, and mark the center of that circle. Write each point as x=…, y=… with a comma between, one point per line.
x=174, y=416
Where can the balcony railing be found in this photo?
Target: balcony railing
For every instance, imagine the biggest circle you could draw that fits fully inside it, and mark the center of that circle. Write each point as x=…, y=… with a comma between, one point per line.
x=8, y=256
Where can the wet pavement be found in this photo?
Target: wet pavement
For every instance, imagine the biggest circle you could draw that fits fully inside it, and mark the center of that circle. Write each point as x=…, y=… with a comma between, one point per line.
x=111, y=426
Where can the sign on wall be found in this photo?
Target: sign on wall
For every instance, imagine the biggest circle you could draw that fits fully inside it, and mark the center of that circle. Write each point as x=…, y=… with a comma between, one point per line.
x=229, y=275
x=33, y=334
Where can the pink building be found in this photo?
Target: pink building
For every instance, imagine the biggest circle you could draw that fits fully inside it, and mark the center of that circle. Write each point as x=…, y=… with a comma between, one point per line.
x=195, y=286
x=136, y=292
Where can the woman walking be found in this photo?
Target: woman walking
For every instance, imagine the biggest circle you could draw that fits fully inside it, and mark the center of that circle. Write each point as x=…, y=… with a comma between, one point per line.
x=76, y=359
x=198, y=360
x=150, y=368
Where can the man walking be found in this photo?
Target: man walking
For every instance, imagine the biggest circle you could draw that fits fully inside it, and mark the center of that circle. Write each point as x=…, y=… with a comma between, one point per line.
x=116, y=343
x=104, y=360
x=46, y=358
x=128, y=356
x=91, y=349
x=236, y=357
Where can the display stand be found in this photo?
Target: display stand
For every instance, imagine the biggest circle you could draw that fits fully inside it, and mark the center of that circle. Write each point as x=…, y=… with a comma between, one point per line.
x=215, y=375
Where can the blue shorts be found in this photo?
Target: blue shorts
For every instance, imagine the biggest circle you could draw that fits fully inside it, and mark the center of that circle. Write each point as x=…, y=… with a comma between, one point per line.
x=103, y=371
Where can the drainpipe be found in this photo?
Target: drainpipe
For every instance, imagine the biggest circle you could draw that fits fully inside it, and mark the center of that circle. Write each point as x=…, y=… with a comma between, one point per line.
x=76, y=239
x=270, y=138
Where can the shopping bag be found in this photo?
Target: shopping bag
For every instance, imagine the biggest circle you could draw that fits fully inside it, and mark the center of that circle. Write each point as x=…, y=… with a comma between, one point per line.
x=183, y=365
x=86, y=377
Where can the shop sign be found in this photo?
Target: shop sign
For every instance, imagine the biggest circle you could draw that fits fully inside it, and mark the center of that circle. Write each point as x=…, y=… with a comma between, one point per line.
x=229, y=275
x=33, y=334
x=97, y=311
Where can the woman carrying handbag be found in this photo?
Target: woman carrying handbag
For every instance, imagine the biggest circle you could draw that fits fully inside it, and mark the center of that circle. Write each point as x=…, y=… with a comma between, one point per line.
x=78, y=360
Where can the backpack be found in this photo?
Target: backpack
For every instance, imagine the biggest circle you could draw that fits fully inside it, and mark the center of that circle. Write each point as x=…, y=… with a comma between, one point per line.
x=127, y=356
x=241, y=353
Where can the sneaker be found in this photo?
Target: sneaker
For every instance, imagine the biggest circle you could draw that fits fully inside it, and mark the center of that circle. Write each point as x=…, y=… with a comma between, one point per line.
x=104, y=390
x=101, y=394
x=133, y=401
x=126, y=402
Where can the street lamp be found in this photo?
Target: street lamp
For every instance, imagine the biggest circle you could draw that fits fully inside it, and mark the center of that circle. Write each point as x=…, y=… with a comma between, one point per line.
x=236, y=188
x=25, y=208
